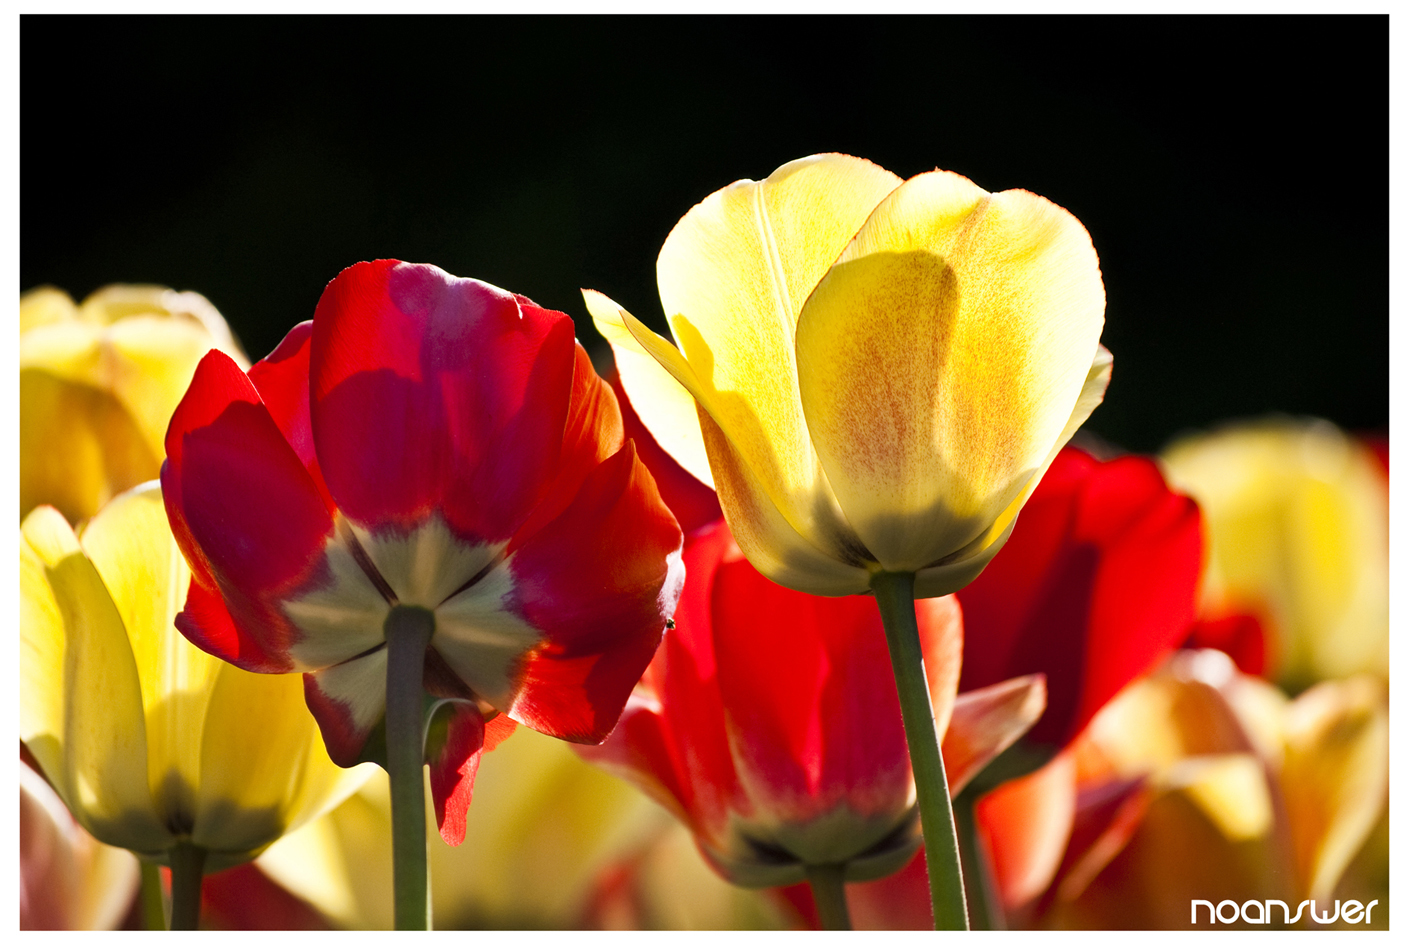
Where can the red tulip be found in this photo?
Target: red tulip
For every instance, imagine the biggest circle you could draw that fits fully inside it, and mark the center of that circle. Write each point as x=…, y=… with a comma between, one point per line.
x=1096, y=583
x=769, y=723
x=434, y=442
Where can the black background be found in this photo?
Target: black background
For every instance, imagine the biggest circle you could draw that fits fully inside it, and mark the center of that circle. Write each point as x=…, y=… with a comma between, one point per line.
x=1233, y=172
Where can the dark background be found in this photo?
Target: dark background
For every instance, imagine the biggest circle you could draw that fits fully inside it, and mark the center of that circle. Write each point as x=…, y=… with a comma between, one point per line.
x=1233, y=172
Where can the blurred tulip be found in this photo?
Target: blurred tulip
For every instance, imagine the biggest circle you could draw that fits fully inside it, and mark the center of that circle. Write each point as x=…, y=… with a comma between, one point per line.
x=1298, y=524
x=1096, y=584
x=431, y=446
x=68, y=880
x=874, y=373
x=543, y=827
x=769, y=724
x=151, y=743
x=98, y=384
x=1201, y=782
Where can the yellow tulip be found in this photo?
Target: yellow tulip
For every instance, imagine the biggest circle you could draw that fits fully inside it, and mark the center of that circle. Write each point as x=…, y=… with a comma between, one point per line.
x=1298, y=535
x=98, y=384
x=150, y=742
x=873, y=373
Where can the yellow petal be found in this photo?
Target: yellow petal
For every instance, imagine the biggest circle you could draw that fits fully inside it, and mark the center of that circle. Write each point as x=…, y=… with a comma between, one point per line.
x=769, y=540
x=97, y=741
x=966, y=564
x=263, y=767
x=44, y=306
x=114, y=302
x=940, y=359
x=733, y=276
x=665, y=407
x=131, y=545
x=78, y=446
x=1230, y=790
x=1335, y=776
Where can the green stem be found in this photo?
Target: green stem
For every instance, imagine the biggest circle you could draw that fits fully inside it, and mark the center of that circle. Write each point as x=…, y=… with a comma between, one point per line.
x=187, y=871
x=408, y=633
x=985, y=910
x=895, y=596
x=153, y=908
x=829, y=894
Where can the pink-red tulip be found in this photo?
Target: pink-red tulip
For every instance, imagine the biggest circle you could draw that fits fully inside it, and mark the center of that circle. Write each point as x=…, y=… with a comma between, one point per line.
x=433, y=442
x=769, y=723
x=1097, y=582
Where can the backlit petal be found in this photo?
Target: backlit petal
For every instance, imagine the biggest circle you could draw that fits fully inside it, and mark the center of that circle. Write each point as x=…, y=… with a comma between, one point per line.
x=598, y=583
x=97, y=745
x=733, y=276
x=985, y=722
x=666, y=407
x=452, y=770
x=432, y=392
x=939, y=360
x=131, y=546
x=348, y=700
x=244, y=511
x=281, y=378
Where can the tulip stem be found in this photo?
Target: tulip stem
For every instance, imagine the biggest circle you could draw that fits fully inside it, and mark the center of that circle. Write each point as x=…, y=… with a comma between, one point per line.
x=829, y=895
x=153, y=902
x=895, y=596
x=187, y=871
x=985, y=909
x=408, y=633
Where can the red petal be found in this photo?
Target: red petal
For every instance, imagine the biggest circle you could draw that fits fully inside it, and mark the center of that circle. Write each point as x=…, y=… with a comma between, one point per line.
x=807, y=687
x=282, y=381
x=1096, y=582
x=453, y=771
x=347, y=705
x=1241, y=636
x=593, y=433
x=695, y=504
x=244, y=512
x=436, y=393
x=598, y=582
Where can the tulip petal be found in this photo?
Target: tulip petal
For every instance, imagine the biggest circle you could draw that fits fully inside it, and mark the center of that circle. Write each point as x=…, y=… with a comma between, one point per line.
x=598, y=582
x=593, y=432
x=73, y=641
x=262, y=763
x=348, y=700
x=968, y=563
x=452, y=770
x=733, y=277
x=823, y=734
x=986, y=721
x=957, y=331
x=774, y=546
x=436, y=393
x=245, y=513
x=1098, y=580
x=78, y=446
x=665, y=407
x=130, y=544
x=1026, y=824
x=281, y=378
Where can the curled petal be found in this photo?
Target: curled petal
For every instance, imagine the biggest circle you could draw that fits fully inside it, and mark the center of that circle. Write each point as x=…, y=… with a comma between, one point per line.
x=598, y=583
x=348, y=700
x=281, y=378
x=986, y=721
x=453, y=769
x=245, y=513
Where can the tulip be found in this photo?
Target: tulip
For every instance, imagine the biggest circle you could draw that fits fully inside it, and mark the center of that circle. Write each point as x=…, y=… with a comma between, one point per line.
x=1202, y=782
x=1096, y=585
x=1298, y=520
x=68, y=880
x=423, y=490
x=769, y=725
x=874, y=374
x=98, y=383
x=153, y=745
x=882, y=369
